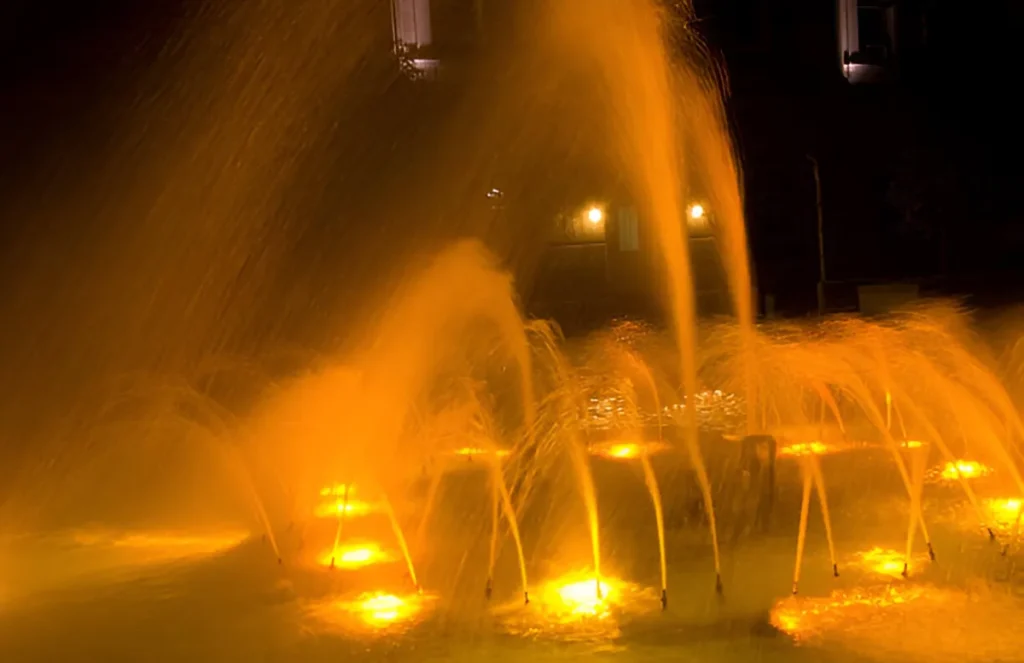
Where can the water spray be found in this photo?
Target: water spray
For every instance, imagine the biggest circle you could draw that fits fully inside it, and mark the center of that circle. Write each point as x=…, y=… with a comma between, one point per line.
x=805, y=505
x=341, y=519
x=495, y=515
x=819, y=485
x=400, y=537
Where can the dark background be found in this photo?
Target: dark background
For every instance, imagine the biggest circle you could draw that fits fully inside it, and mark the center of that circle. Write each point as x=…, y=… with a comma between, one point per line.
x=919, y=175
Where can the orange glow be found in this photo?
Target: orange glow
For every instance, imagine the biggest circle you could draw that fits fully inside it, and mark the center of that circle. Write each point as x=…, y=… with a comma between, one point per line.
x=1005, y=512
x=383, y=608
x=576, y=596
x=912, y=444
x=883, y=562
x=697, y=211
x=379, y=611
x=351, y=508
x=169, y=544
x=628, y=450
x=803, y=617
x=967, y=469
x=581, y=597
x=470, y=452
x=816, y=448
x=569, y=608
x=338, y=490
x=595, y=215
x=355, y=556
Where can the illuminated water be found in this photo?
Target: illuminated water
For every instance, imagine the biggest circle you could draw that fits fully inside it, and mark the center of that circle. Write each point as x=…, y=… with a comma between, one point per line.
x=402, y=499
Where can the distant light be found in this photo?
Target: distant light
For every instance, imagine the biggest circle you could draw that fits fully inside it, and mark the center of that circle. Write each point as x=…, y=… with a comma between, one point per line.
x=495, y=193
x=697, y=212
x=595, y=215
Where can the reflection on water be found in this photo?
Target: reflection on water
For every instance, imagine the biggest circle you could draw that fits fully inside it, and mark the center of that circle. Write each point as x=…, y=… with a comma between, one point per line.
x=578, y=608
x=908, y=622
x=355, y=556
x=886, y=562
x=371, y=613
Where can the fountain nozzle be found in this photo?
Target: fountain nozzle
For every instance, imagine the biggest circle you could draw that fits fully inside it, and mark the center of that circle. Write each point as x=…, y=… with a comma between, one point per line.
x=931, y=552
x=600, y=594
x=835, y=570
x=906, y=571
x=487, y=590
x=718, y=583
x=991, y=534
x=664, y=599
x=526, y=598
x=796, y=589
x=332, y=562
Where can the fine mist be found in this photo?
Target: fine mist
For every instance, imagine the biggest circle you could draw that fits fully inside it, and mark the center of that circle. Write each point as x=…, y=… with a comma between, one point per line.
x=165, y=250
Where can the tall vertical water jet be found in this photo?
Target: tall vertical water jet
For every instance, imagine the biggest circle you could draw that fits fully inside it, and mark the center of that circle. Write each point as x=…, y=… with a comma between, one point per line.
x=644, y=371
x=653, y=136
x=819, y=485
x=493, y=550
x=659, y=516
x=918, y=459
x=581, y=465
x=428, y=509
x=513, y=526
x=573, y=411
x=805, y=505
x=400, y=539
x=341, y=521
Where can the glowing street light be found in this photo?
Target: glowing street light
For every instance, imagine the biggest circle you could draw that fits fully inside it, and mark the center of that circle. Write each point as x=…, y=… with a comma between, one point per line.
x=595, y=215
x=697, y=211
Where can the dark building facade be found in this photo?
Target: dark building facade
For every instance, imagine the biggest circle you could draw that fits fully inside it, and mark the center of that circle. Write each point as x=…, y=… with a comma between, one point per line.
x=895, y=110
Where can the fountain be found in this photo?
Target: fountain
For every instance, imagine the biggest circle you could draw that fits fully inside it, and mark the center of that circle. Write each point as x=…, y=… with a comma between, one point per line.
x=451, y=413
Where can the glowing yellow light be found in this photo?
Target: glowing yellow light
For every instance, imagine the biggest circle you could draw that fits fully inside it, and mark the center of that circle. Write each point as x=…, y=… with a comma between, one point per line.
x=882, y=561
x=382, y=607
x=804, y=449
x=569, y=607
x=355, y=556
x=913, y=444
x=967, y=469
x=696, y=211
x=1005, y=512
x=582, y=597
x=350, y=508
x=595, y=215
x=338, y=490
x=628, y=450
x=624, y=451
